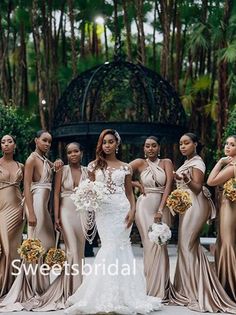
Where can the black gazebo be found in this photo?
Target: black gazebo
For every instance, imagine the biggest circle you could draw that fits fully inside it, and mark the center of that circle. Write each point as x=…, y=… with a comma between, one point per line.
x=130, y=98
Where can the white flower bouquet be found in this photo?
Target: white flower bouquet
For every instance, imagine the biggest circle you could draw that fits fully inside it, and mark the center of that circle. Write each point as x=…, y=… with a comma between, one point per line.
x=159, y=233
x=89, y=195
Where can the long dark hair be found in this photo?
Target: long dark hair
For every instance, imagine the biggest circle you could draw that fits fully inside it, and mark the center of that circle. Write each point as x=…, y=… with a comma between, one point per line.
x=101, y=162
x=195, y=139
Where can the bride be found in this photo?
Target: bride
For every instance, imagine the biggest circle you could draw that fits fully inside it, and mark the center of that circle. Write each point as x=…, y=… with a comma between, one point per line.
x=120, y=290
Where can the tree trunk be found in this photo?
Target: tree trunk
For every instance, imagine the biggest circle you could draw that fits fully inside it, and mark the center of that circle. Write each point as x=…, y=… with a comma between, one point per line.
x=139, y=13
x=128, y=30
x=73, y=40
x=154, y=38
x=39, y=67
x=223, y=90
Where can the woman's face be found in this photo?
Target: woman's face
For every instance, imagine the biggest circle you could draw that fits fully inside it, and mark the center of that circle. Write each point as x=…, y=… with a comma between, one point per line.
x=74, y=154
x=187, y=146
x=230, y=147
x=151, y=148
x=43, y=143
x=109, y=144
x=7, y=144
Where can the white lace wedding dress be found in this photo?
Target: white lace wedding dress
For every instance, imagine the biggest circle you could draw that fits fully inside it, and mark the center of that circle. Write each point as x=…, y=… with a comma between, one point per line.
x=121, y=292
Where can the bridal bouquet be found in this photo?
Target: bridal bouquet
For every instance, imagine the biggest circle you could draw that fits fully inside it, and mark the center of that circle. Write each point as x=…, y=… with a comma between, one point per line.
x=179, y=201
x=230, y=189
x=159, y=233
x=89, y=195
x=55, y=256
x=31, y=250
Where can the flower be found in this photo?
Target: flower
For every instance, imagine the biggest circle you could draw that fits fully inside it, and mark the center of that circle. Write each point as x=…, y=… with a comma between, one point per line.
x=179, y=201
x=89, y=195
x=159, y=233
x=31, y=250
x=55, y=256
x=230, y=189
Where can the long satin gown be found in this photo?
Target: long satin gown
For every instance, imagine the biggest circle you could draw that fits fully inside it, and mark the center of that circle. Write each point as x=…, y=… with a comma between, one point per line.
x=11, y=224
x=195, y=283
x=25, y=285
x=226, y=246
x=114, y=284
x=156, y=260
x=66, y=284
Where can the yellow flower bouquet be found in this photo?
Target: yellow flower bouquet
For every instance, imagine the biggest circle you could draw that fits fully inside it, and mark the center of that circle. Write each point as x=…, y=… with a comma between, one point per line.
x=179, y=201
x=31, y=250
x=55, y=256
x=230, y=189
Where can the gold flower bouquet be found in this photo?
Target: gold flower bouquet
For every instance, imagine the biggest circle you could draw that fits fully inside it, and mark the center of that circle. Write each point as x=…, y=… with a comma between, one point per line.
x=179, y=201
x=55, y=256
x=31, y=250
x=230, y=187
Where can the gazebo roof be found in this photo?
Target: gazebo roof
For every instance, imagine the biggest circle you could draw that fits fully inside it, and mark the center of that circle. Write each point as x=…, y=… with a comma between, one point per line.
x=132, y=98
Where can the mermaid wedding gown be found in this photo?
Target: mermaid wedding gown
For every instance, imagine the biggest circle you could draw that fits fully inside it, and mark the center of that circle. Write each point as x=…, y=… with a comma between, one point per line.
x=115, y=284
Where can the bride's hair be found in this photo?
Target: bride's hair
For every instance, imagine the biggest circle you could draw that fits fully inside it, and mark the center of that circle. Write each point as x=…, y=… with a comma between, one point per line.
x=101, y=162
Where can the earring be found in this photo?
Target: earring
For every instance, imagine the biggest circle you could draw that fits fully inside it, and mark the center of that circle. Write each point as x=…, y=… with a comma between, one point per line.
x=117, y=150
x=159, y=154
x=145, y=155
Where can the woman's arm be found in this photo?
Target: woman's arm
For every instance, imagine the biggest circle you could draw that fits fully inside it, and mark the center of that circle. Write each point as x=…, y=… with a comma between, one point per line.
x=168, y=167
x=195, y=182
x=57, y=191
x=28, y=178
x=130, y=196
x=219, y=176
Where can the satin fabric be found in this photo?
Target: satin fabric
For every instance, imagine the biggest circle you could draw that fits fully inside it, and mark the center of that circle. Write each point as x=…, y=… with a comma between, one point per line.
x=226, y=246
x=11, y=225
x=25, y=285
x=195, y=283
x=65, y=284
x=156, y=260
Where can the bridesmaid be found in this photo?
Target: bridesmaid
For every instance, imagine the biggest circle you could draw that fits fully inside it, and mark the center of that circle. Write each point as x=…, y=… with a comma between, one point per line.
x=11, y=211
x=68, y=221
x=156, y=177
x=195, y=283
x=37, y=187
x=225, y=169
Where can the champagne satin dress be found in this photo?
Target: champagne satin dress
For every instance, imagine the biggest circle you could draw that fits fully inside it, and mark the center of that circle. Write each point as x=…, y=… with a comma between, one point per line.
x=195, y=283
x=11, y=224
x=27, y=285
x=226, y=246
x=66, y=284
x=156, y=260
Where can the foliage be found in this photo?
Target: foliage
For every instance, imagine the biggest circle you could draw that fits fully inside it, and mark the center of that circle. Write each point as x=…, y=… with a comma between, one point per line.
x=231, y=126
x=15, y=123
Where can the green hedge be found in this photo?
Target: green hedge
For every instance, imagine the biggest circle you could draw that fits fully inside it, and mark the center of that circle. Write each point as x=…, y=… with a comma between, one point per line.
x=14, y=122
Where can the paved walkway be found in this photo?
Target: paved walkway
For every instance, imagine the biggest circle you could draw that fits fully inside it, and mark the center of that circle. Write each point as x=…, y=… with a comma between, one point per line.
x=166, y=310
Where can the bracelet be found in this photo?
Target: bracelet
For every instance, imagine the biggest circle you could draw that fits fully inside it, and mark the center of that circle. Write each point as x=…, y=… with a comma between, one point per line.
x=160, y=211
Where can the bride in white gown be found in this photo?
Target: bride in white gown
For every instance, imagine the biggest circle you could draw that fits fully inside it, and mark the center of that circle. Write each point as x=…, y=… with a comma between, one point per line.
x=115, y=284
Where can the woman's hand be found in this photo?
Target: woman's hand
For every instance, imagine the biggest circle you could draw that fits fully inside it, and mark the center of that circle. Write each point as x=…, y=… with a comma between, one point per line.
x=32, y=220
x=225, y=160
x=57, y=225
x=158, y=217
x=57, y=165
x=140, y=187
x=177, y=176
x=129, y=219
